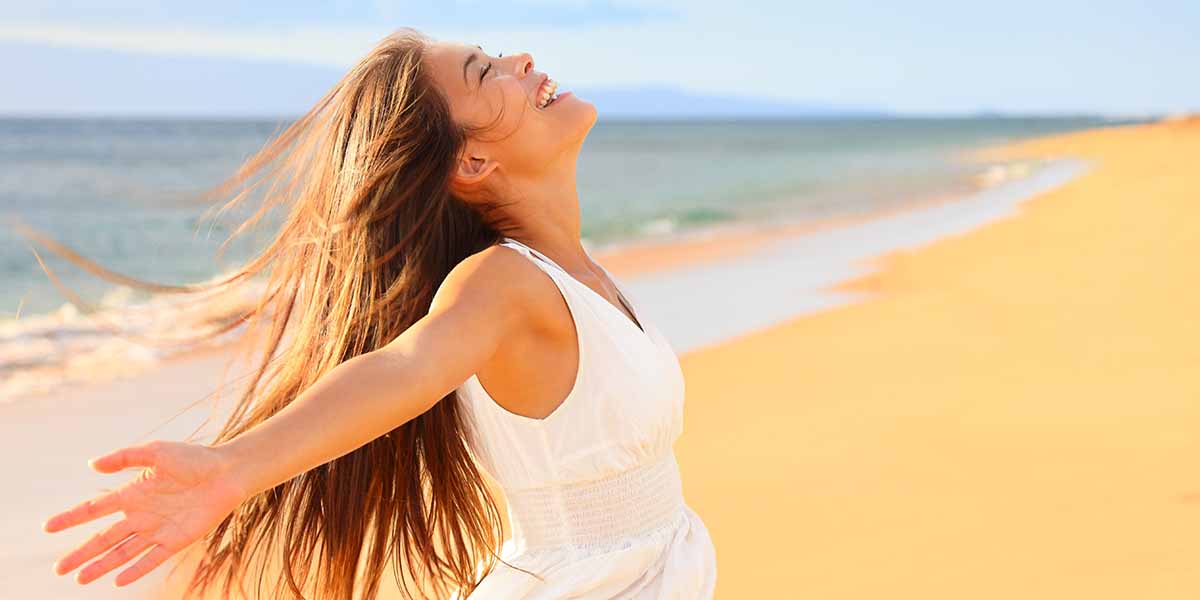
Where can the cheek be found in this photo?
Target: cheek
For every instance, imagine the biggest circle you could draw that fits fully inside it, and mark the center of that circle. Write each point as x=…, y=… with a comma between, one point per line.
x=521, y=120
x=524, y=136
x=497, y=107
x=518, y=112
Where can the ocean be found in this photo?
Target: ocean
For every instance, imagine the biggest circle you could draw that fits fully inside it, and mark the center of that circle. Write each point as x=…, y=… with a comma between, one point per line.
x=120, y=191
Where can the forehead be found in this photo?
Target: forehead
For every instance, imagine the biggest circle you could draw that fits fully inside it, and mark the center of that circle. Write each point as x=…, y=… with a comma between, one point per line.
x=445, y=60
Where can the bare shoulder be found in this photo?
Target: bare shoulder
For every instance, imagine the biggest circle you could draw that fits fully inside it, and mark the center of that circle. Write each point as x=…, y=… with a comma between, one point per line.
x=499, y=281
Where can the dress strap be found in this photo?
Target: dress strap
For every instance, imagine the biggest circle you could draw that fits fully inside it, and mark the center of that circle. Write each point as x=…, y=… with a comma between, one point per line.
x=636, y=322
x=534, y=251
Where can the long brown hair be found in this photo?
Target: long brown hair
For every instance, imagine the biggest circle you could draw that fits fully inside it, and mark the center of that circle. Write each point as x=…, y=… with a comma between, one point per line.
x=372, y=231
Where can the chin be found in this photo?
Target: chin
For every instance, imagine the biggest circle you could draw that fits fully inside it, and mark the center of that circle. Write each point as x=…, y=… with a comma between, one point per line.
x=575, y=121
x=587, y=115
x=587, y=128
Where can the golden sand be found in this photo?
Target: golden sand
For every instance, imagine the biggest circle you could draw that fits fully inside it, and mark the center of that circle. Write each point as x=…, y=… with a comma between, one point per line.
x=1015, y=414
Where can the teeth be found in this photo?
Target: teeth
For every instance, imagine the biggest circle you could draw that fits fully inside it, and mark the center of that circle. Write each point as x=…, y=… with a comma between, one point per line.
x=547, y=92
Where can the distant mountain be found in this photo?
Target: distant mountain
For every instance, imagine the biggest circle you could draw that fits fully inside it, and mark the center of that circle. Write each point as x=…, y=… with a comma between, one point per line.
x=47, y=80
x=666, y=102
x=51, y=81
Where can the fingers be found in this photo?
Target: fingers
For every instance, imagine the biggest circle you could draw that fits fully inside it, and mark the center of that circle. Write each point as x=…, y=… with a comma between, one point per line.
x=144, y=565
x=116, y=557
x=89, y=510
x=124, y=458
x=94, y=546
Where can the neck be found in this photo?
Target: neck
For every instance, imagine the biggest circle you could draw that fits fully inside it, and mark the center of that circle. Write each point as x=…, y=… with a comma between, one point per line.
x=547, y=216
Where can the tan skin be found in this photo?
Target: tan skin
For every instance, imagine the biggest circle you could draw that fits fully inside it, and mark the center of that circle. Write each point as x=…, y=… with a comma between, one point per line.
x=522, y=346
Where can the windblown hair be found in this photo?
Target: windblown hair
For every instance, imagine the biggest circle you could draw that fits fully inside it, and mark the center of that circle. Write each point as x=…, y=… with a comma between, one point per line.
x=372, y=231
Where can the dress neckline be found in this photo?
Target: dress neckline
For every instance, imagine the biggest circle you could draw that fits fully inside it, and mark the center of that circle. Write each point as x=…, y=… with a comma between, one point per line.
x=637, y=323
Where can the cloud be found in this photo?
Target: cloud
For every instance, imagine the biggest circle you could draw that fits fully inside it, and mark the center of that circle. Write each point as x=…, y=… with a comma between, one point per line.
x=231, y=15
x=330, y=46
x=665, y=49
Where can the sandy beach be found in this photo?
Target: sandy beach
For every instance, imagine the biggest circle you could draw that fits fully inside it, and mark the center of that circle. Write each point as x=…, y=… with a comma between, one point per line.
x=908, y=412
x=1012, y=415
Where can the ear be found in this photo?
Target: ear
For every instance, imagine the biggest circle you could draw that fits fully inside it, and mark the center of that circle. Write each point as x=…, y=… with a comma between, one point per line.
x=472, y=170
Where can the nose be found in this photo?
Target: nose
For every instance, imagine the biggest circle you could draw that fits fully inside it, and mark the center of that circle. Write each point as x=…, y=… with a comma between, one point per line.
x=524, y=63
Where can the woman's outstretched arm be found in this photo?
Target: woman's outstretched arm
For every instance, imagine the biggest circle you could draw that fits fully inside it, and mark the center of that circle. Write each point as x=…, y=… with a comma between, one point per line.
x=187, y=489
x=371, y=394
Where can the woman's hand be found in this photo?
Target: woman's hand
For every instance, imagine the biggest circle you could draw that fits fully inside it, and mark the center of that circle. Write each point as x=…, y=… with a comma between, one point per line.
x=184, y=491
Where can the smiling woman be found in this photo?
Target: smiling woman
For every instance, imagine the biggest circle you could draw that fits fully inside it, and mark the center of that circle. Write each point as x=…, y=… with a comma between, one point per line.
x=505, y=94
x=443, y=318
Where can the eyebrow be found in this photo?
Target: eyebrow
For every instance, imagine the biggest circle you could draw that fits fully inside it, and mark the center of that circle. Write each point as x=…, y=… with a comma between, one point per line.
x=466, y=64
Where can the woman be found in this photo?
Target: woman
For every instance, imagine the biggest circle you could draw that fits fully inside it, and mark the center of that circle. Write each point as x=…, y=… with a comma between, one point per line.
x=444, y=314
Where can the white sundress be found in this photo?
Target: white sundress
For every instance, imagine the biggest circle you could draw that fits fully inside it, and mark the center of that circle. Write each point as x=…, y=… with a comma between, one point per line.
x=594, y=496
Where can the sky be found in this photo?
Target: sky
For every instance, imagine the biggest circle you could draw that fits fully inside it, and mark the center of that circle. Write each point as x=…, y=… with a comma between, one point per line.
x=912, y=57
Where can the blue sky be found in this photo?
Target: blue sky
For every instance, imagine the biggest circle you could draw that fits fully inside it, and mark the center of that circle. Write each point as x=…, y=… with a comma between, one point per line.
x=917, y=56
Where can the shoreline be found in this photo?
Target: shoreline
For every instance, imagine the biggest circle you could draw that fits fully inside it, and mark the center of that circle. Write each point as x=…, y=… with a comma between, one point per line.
x=635, y=257
x=627, y=259
x=794, y=276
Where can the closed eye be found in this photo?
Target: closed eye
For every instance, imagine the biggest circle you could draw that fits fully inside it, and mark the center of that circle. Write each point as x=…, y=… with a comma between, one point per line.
x=484, y=70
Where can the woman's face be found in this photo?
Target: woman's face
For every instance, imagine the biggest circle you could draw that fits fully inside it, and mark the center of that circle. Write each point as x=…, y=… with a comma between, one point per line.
x=526, y=141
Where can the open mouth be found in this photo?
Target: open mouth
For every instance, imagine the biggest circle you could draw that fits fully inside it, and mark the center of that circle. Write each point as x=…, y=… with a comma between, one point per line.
x=547, y=93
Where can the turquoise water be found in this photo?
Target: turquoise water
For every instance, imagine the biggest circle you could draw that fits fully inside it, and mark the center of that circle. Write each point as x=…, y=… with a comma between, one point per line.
x=117, y=189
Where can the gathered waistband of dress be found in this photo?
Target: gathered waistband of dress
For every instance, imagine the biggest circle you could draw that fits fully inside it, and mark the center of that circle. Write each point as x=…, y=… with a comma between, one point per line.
x=635, y=501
